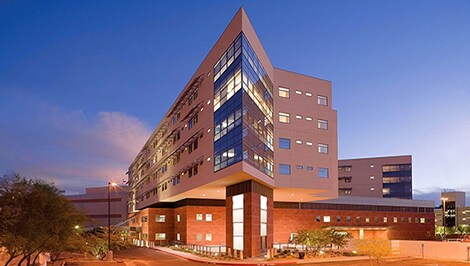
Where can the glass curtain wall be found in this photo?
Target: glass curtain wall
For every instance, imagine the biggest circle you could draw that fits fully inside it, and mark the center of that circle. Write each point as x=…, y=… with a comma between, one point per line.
x=243, y=109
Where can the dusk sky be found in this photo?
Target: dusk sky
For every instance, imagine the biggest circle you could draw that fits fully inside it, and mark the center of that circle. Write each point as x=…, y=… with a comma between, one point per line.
x=84, y=83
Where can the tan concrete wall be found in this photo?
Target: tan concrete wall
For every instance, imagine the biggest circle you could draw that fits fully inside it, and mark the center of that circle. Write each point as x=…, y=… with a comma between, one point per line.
x=432, y=249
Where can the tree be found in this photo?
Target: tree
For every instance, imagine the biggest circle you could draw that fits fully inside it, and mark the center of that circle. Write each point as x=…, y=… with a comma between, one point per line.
x=321, y=238
x=34, y=218
x=375, y=248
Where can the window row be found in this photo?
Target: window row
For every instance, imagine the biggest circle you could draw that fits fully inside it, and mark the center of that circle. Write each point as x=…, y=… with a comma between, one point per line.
x=285, y=119
x=358, y=219
x=284, y=143
x=285, y=169
x=285, y=93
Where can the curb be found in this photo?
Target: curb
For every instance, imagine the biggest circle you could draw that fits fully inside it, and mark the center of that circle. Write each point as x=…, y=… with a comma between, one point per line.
x=228, y=263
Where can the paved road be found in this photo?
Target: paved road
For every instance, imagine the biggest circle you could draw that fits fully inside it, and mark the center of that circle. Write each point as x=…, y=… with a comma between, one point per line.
x=150, y=257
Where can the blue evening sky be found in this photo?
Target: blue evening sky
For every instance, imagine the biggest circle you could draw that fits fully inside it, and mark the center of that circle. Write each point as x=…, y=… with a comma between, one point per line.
x=83, y=83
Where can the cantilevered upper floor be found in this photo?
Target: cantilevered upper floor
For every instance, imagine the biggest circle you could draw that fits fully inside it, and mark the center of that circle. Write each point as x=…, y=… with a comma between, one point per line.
x=237, y=119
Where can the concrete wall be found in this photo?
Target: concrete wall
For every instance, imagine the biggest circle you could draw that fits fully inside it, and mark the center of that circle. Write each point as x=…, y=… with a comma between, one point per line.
x=433, y=249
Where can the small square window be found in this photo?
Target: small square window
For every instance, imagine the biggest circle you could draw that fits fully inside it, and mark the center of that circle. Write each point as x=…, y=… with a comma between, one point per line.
x=322, y=100
x=299, y=167
x=348, y=219
x=338, y=219
x=160, y=236
x=372, y=177
x=422, y=220
x=284, y=169
x=284, y=92
x=322, y=124
x=367, y=219
x=372, y=189
x=322, y=172
x=318, y=218
x=322, y=148
x=284, y=118
x=326, y=219
x=208, y=237
x=208, y=217
x=284, y=143
x=395, y=219
x=298, y=92
x=199, y=216
x=160, y=218
x=385, y=219
x=310, y=168
x=198, y=237
x=371, y=166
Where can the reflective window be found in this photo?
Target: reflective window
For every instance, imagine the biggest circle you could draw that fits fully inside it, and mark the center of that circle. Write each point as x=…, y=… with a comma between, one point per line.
x=322, y=172
x=322, y=124
x=310, y=168
x=284, y=143
x=284, y=169
x=299, y=167
x=322, y=148
x=322, y=100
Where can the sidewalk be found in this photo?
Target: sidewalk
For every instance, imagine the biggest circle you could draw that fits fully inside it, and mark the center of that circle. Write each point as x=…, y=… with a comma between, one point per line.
x=254, y=261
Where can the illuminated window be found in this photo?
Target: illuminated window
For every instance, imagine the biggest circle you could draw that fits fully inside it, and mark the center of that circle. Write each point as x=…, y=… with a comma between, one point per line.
x=284, y=118
x=298, y=92
x=322, y=100
x=372, y=189
x=422, y=220
x=298, y=141
x=395, y=219
x=199, y=217
x=385, y=219
x=178, y=236
x=178, y=218
x=160, y=218
x=298, y=116
x=160, y=236
x=367, y=219
x=284, y=92
x=326, y=219
x=208, y=237
x=309, y=143
x=308, y=94
x=308, y=118
x=208, y=217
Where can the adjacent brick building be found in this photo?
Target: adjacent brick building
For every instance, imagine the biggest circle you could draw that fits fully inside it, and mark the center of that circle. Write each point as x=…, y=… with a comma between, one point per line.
x=379, y=177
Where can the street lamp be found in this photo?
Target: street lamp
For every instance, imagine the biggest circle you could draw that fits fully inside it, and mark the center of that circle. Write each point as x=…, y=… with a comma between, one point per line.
x=444, y=214
x=110, y=252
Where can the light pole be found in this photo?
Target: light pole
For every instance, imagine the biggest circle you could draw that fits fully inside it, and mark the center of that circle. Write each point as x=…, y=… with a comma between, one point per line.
x=110, y=252
x=444, y=214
